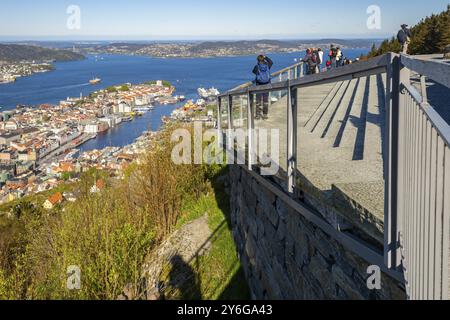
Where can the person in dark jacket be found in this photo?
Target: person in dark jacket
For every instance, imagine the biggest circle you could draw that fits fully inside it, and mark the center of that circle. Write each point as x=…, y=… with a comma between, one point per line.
x=311, y=61
x=404, y=37
x=263, y=77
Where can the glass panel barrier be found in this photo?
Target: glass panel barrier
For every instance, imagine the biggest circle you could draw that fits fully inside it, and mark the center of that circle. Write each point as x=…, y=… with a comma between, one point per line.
x=240, y=128
x=340, y=136
x=270, y=135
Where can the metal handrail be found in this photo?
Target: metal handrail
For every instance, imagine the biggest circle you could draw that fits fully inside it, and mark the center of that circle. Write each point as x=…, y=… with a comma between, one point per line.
x=356, y=70
x=275, y=74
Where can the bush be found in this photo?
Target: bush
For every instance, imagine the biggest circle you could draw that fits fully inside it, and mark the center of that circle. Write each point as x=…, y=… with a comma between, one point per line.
x=107, y=235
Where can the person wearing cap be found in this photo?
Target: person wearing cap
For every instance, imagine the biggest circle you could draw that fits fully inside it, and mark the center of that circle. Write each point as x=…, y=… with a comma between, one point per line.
x=404, y=37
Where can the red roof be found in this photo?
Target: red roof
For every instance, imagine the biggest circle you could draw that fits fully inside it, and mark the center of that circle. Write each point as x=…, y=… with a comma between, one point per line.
x=56, y=198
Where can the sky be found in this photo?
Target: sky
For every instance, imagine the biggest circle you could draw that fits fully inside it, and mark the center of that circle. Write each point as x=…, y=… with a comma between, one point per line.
x=207, y=19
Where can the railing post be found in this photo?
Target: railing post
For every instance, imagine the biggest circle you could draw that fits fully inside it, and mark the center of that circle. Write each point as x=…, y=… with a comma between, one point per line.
x=291, y=138
x=219, y=124
x=302, y=70
x=230, y=110
x=423, y=87
x=250, y=129
x=391, y=226
x=230, y=135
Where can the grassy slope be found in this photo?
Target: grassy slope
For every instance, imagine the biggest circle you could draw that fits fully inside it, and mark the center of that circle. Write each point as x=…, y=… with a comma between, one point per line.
x=219, y=271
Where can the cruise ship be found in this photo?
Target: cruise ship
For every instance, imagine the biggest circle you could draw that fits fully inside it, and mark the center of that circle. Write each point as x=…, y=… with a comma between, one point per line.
x=95, y=81
x=208, y=93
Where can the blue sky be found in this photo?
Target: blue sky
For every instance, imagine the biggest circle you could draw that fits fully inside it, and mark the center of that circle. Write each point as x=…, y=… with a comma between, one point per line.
x=207, y=19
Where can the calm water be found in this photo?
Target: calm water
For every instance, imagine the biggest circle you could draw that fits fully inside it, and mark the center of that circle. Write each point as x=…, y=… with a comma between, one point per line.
x=71, y=78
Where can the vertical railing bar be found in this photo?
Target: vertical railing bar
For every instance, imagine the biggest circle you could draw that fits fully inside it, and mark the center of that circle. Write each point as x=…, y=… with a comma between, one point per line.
x=446, y=226
x=219, y=124
x=392, y=106
x=413, y=216
x=427, y=151
x=230, y=110
x=229, y=135
x=408, y=186
x=410, y=194
x=414, y=204
x=433, y=181
x=250, y=129
x=404, y=195
x=291, y=128
x=422, y=203
x=418, y=197
x=439, y=217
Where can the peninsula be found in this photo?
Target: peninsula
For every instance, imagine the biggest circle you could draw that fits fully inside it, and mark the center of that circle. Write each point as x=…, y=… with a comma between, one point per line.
x=24, y=60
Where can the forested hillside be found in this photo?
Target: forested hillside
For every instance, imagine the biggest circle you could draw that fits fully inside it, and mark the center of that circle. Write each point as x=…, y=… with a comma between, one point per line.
x=18, y=53
x=431, y=35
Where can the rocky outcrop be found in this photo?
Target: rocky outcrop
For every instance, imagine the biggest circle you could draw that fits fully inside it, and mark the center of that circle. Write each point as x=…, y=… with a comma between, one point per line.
x=169, y=266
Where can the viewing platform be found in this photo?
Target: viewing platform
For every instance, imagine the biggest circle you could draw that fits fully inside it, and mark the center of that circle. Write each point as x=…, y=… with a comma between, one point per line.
x=357, y=146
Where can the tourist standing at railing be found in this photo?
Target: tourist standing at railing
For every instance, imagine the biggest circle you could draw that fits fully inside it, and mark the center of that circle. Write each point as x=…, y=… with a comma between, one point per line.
x=320, y=59
x=339, y=57
x=404, y=37
x=311, y=61
x=332, y=56
x=263, y=77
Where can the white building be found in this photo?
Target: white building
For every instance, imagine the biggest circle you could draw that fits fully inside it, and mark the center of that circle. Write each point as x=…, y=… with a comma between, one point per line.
x=91, y=128
x=125, y=107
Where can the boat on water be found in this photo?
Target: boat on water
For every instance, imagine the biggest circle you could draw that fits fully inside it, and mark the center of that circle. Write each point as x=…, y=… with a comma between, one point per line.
x=95, y=81
x=143, y=109
x=208, y=93
x=70, y=154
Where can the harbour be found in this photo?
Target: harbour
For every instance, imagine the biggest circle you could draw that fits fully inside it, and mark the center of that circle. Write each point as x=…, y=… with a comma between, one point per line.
x=70, y=79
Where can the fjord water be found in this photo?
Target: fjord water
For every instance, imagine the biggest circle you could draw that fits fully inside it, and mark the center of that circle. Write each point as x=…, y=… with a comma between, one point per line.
x=70, y=79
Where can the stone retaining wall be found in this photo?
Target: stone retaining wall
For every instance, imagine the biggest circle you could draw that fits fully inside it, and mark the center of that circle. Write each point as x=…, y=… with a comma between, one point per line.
x=284, y=256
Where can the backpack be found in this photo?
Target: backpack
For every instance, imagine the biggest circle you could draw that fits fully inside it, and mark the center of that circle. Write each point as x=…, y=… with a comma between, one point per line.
x=263, y=76
x=402, y=37
x=315, y=57
x=333, y=53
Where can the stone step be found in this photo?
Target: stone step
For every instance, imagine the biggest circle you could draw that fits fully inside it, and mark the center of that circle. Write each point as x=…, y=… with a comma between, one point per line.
x=320, y=112
x=374, y=135
x=342, y=114
x=347, y=139
x=315, y=99
x=327, y=118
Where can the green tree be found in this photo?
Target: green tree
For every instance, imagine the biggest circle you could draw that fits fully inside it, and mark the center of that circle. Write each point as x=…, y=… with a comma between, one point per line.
x=124, y=88
x=430, y=35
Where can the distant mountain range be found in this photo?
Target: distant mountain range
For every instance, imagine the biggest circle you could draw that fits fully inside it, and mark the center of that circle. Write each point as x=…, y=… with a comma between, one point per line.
x=63, y=50
x=13, y=53
x=218, y=48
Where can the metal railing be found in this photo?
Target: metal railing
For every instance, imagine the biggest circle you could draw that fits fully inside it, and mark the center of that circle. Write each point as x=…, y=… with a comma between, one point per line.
x=416, y=167
x=420, y=168
x=292, y=72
